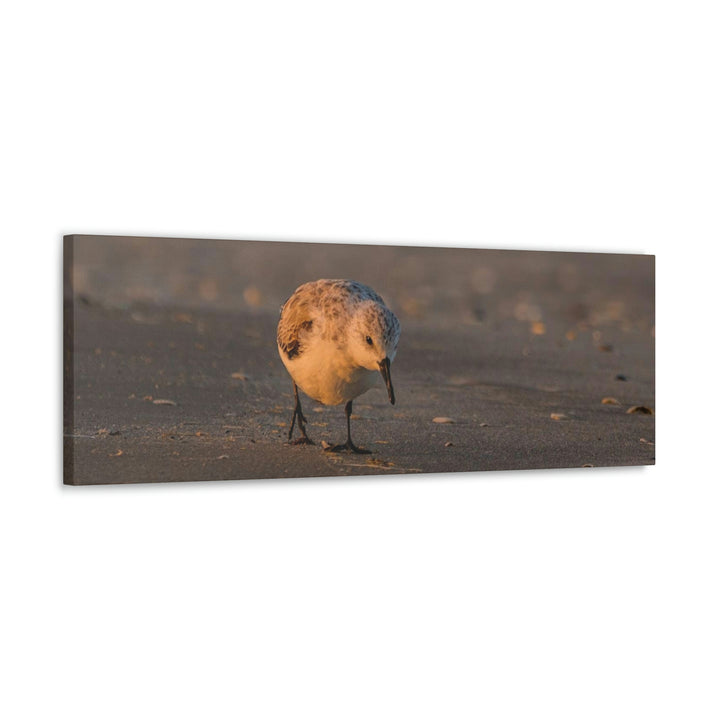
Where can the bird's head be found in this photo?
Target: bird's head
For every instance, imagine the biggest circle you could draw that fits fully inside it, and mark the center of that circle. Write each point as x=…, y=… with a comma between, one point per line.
x=373, y=339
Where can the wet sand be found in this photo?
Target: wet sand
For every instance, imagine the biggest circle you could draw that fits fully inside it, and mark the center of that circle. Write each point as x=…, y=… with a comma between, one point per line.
x=187, y=385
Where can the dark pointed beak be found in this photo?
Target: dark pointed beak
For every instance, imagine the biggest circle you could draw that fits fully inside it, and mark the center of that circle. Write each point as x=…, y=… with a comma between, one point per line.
x=385, y=372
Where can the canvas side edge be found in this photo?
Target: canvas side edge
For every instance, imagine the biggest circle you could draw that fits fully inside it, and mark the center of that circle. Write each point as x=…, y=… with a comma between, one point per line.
x=68, y=305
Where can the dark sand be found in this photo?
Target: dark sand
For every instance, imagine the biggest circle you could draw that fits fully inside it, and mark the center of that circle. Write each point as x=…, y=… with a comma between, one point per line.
x=519, y=349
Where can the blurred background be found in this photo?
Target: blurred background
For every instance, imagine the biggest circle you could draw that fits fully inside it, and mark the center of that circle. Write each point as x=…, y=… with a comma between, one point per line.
x=544, y=291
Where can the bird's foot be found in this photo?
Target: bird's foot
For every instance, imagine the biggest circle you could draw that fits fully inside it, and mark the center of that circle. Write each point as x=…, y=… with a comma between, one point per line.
x=301, y=441
x=348, y=447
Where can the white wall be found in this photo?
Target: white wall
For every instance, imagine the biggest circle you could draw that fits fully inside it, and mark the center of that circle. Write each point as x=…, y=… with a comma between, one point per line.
x=526, y=125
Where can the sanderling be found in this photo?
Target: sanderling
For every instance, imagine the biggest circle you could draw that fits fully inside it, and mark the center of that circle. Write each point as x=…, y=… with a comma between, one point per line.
x=333, y=337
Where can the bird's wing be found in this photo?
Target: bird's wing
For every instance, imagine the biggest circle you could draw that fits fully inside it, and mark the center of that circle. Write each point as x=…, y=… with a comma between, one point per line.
x=296, y=322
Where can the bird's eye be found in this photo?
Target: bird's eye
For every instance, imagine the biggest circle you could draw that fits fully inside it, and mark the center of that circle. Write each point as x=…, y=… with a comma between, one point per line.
x=368, y=340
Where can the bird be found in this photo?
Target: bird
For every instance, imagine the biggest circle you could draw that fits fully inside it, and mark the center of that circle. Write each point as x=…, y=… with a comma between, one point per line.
x=336, y=338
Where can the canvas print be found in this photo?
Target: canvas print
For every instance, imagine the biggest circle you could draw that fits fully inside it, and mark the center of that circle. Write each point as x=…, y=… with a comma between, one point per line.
x=205, y=360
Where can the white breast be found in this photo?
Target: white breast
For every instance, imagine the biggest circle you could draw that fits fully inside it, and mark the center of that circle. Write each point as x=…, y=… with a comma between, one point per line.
x=325, y=374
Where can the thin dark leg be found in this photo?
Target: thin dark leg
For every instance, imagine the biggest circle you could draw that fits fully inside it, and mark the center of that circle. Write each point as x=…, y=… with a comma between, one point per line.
x=301, y=421
x=349, y=446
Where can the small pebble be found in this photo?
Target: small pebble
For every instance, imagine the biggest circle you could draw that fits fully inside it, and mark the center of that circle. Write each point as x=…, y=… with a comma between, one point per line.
x=558, y=416
x=610, y=401
x=449, y=444
x=164, y=402
x=443, y=420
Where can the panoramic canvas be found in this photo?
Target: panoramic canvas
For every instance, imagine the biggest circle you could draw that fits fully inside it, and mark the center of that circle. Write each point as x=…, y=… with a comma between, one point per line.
x=190, y=359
